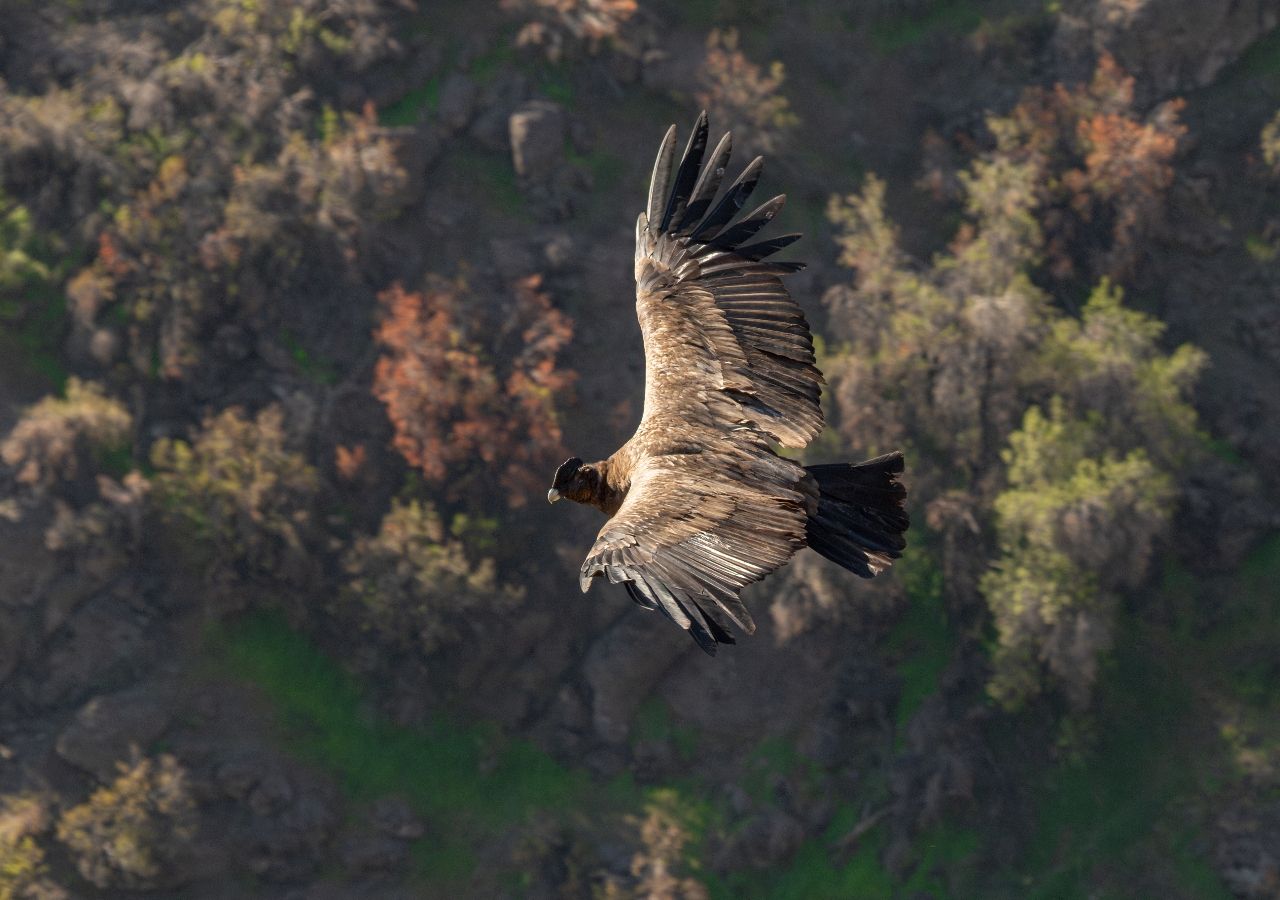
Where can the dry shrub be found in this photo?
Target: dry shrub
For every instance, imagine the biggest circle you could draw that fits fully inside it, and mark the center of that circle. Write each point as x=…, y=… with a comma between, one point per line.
x=241, y=495
x=414, y=584
x=57, y=439
x=469, y=397
x=23, y=873
x=1104, y=167
x=560, y=27
x=130, y=833
x=658, y=865
x=742, y=97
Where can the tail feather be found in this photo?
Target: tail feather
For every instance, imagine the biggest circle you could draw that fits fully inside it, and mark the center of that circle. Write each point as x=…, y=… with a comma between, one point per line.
x=860, y=520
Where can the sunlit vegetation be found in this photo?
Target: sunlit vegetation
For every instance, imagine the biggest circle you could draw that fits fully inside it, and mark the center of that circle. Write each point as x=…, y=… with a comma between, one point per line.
x=1269, y=141
x=126, y=833
x=32, y=309
x=971, y=363
x=23, y=872
x=563, y=27
x=460, y=415
x=241, y=494
x=413, y=585
x=61, y=439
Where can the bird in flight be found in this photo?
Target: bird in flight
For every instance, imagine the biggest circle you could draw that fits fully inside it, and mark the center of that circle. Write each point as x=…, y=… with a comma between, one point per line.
x=699, y=505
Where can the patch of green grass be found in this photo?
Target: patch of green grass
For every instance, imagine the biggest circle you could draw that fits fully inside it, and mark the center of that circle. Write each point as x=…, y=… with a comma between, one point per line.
x=817, y=872
x=653, y=723
x=820, y=871
x=413, y=106
x=1095, y=813
x=496, y=177
x=556, y=86
x=897, y=32
x=471, y=777
x=487, y=66
x=922, y=634
x=1263, y=57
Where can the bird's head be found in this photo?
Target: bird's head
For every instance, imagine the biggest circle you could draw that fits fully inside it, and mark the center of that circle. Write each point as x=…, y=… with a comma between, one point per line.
x=573, y=481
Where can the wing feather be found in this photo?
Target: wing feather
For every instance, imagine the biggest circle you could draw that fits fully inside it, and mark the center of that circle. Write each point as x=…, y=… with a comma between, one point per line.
x=698, y=533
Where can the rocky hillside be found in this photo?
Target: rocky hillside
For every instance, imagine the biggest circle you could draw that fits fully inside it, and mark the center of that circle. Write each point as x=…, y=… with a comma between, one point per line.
x=301, y=304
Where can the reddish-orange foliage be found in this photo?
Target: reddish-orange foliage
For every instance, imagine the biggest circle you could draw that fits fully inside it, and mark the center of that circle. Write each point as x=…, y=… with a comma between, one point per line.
x=349, y=461
x=1106, y=167
x=466, y=404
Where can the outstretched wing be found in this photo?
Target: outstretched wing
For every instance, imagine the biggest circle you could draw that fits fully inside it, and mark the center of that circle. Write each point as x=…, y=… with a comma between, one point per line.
x=694, y=530
x=729, y=365
x=700, y=284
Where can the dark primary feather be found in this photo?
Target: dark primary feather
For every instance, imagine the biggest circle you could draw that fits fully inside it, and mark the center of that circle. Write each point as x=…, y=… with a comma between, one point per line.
x=687, y=174
x=704, y=190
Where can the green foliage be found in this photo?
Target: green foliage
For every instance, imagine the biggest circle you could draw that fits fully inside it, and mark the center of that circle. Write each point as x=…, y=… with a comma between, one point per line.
x=32, y=309
x=897, y=31
x=935, y=358
x=1262, y=59
x=242, y=496
x=313, y=367
x=125, y=834
x=413, y=585
x=1269, y=142
x=947, y=360
x=22, y=866
x=1075, y=523
x=1118, y=372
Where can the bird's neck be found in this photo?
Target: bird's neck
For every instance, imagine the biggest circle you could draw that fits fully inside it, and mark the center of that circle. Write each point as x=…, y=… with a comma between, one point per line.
x=611, y=486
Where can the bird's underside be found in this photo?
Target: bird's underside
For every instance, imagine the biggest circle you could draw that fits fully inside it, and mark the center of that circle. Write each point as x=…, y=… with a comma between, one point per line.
x=701, y=505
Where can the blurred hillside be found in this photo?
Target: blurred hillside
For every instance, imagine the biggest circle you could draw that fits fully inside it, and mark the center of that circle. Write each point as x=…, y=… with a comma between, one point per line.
x=301, y=303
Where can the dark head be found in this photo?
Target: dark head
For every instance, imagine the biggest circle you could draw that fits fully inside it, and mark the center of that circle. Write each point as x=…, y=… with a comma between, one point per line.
x=573, y=481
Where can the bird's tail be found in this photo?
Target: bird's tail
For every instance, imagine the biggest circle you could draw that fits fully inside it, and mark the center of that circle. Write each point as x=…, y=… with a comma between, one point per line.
x=860, y=518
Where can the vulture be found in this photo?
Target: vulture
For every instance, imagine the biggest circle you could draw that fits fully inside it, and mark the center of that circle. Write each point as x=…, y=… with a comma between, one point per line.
x=698, y=503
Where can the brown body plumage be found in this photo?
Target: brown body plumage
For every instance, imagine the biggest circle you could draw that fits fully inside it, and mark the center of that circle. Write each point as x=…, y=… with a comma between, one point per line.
x=699, y=505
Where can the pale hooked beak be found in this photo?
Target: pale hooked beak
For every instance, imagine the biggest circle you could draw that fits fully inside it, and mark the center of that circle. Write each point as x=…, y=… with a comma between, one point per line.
x=553, y=495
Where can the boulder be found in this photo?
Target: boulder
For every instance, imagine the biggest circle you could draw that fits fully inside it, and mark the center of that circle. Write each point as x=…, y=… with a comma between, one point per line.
x=457, y=102
x=110, y=728
x=625, y=664
x=537, y=131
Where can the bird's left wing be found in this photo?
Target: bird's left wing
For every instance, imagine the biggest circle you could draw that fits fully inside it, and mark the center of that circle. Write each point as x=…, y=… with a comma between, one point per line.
x=717, y=322
x=695, y=529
